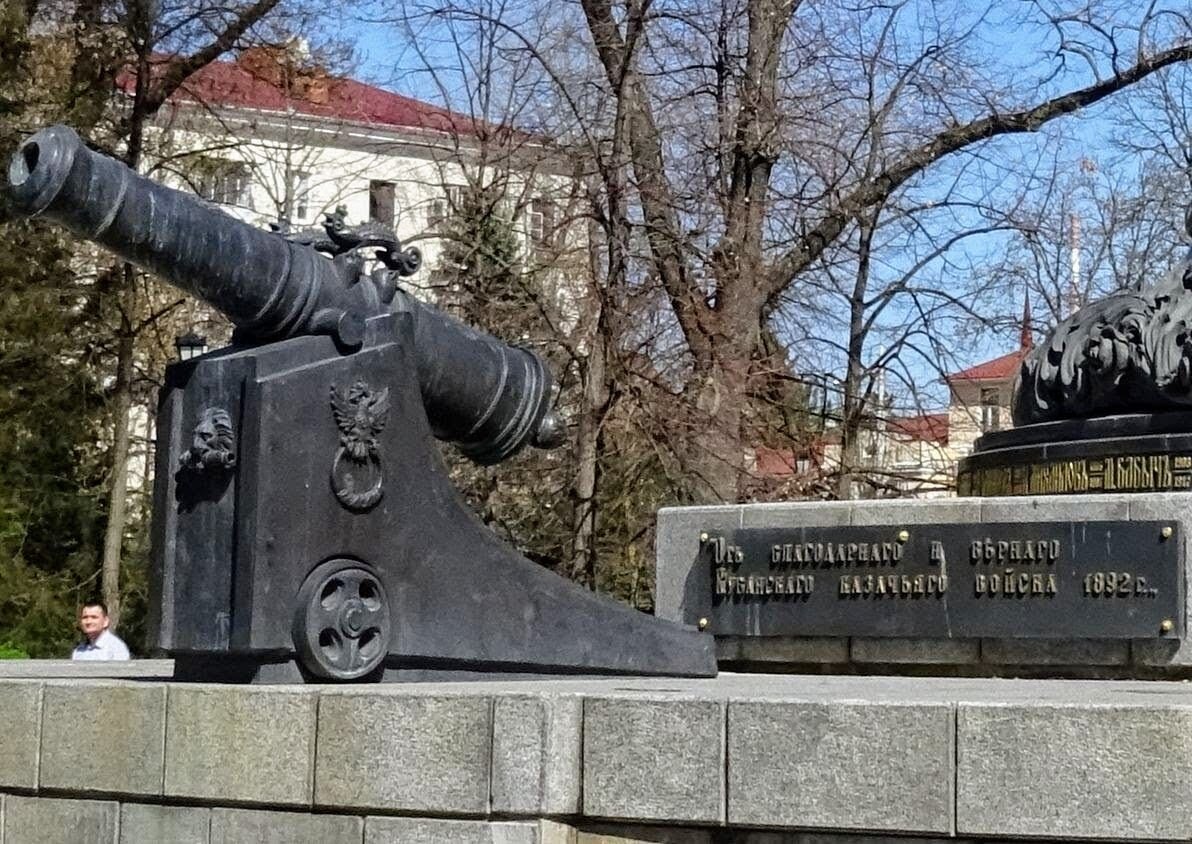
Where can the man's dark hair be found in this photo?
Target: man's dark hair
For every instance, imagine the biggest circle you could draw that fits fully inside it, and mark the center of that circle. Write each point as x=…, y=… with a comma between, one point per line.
x=95, y=603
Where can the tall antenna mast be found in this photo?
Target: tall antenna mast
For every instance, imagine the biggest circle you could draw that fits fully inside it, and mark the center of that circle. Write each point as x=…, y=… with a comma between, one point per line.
x=1074, y=263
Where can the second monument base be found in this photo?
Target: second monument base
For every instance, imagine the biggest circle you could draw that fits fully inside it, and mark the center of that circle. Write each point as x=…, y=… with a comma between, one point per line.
x=1138, y=452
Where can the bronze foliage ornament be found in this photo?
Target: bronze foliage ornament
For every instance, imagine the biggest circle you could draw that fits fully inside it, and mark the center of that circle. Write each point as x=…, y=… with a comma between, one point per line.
x=356, y=473
x=1130, y=352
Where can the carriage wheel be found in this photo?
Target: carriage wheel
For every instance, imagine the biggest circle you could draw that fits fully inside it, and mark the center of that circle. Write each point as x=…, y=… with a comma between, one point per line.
x=342, y=621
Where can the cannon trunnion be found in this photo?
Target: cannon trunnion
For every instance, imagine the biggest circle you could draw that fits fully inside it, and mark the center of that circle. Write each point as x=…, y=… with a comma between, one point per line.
x=304, y=525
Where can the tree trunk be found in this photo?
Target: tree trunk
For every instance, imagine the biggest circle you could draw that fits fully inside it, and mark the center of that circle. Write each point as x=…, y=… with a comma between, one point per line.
x=716, y=459
x=853, y=410
x=118, y=487
x=721, y=390
x=587, y=469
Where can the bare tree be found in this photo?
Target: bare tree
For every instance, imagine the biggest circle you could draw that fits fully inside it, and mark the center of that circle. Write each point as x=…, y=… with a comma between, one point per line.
x=193, y=35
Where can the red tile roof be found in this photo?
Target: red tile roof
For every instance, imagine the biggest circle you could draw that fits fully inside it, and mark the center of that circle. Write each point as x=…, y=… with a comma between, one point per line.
x=998, y=369
x=249, y=83
x=926, y=427
x=784, y=462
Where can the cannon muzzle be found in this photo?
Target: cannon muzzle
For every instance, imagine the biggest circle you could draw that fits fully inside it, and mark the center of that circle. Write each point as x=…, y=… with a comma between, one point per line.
x=489, y=398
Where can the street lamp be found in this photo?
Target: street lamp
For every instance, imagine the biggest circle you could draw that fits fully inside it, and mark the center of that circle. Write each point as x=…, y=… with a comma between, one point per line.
x=190, y=345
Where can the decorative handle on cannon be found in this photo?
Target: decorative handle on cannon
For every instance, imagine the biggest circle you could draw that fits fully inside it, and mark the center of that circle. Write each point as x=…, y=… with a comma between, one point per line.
x=488, y=397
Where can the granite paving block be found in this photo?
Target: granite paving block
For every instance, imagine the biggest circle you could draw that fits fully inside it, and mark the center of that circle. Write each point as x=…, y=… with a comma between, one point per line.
x=654, y=759
x=842, y=765
x=415, y=753
x=435, y=831
x=1058, y=508
x=1078, y=770
x=536, y=755
x=785, y=514
x=44, y=820
x=916, y=512
x=103, y=737
x=142, y=823
x=87, y=669
x=255, y=826
x=1055, y=651
x=916, y=651
x=627, y=834
x=20, y=701
x=220, y=740
x=555, y=832
x=681, y=588
x=788, y=649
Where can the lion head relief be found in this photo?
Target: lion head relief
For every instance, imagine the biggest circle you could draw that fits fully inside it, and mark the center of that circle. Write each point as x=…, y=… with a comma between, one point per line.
x=213, y=445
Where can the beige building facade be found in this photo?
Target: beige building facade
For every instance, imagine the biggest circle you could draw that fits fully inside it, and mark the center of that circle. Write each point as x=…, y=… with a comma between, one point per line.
x=904, y=456
x=274, y=141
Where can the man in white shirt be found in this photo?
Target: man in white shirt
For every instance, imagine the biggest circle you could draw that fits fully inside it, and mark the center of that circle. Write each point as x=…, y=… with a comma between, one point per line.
x=101, y=643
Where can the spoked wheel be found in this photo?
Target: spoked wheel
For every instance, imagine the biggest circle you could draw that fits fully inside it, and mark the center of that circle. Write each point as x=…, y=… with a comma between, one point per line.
x=342, y=622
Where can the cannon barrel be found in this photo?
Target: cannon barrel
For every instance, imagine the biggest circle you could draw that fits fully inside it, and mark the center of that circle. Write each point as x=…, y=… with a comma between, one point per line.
x=484, y=395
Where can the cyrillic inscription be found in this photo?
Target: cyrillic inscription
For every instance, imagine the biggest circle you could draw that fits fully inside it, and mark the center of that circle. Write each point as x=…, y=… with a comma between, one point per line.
x=1049, y=579
x=1004, y=551
x=893, y=585
x=763, y=586
x=836, y=553
x=1015, y=584
x=1127, y=473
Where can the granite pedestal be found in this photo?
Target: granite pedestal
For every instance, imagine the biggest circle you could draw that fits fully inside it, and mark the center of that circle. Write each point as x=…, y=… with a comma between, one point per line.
x=684, y=586
x=743, y=759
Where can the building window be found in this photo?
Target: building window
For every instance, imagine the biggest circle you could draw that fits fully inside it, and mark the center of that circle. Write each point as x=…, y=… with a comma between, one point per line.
x=225, y=182
x=990, y=409
x=537, y=226
x=382, y=202
x=301, y=198
x=540, y=224
x=440, y=210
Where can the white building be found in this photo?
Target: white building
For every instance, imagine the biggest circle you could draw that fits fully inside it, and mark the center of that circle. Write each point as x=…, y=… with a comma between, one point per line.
x=270, y=138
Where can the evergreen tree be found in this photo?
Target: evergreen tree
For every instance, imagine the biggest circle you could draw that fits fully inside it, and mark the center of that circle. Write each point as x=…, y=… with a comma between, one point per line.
x=49, y=399
x=49, y=429
x=480, y=274
x=482, y=280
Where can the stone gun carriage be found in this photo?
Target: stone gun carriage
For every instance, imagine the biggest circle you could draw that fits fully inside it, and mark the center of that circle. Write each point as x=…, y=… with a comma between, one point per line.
x=304, y=526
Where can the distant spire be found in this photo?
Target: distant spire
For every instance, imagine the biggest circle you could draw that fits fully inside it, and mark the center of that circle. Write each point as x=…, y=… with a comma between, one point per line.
x=1026, y=338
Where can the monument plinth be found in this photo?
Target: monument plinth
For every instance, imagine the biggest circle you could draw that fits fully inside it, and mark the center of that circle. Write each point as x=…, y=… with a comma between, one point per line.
x=1134, y=452
x=1104, y=405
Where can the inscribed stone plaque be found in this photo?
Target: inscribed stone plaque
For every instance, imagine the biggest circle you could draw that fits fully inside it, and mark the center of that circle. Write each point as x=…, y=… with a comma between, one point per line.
x=1070, y=580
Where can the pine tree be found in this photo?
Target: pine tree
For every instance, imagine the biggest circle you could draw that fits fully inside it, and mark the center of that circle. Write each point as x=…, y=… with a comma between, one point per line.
x=482, y=280
x=480, y=274
x=50, y=399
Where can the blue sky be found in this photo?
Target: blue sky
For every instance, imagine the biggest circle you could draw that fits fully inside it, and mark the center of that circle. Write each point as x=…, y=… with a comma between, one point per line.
x=385, y=60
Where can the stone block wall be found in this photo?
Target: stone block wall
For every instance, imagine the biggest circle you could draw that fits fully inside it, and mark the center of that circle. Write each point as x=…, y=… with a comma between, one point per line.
x=678, y=548
x=742, y=759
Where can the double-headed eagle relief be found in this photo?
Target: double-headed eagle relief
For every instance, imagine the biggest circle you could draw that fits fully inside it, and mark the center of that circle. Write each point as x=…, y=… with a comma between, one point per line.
x=356, y=473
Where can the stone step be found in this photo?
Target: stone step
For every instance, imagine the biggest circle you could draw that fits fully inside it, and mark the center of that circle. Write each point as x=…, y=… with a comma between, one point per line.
x=932, y=757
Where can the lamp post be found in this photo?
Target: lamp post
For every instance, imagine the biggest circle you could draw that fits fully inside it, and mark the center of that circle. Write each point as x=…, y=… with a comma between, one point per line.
x=190, y=345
